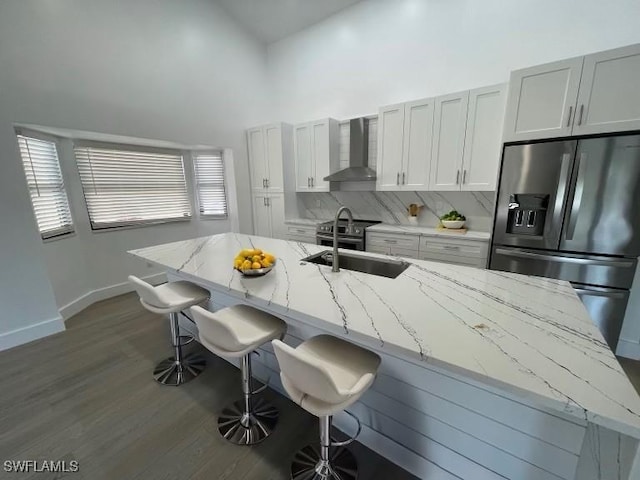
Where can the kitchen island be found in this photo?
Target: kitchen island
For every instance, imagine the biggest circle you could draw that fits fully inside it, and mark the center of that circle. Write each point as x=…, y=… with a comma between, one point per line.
x=485, y=375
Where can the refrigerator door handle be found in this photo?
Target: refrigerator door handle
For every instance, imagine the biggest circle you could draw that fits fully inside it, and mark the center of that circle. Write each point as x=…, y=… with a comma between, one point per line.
x=603, y=292
x=564, y=259
x=574, y=212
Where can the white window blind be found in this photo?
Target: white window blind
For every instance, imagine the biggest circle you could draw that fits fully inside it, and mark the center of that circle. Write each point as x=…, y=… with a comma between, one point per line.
x=210, y=186
x=46, y=187
x=130, y=185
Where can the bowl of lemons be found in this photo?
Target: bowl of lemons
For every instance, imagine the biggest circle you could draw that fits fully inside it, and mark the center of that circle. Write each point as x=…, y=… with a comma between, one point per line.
x=253, y=262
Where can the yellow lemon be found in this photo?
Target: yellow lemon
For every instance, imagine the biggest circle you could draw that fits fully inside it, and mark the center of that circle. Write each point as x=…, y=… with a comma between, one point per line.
x=246, y=265
x=237, y=263
x=269, y=257
x=256, y=265
x=265, y=263
x=257, y=251
x=246, y=253
x=256, y=258
x=239, y=258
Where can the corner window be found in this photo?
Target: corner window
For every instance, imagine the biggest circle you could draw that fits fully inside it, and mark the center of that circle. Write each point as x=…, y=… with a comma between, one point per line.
x=46, y=186
x=210, y=186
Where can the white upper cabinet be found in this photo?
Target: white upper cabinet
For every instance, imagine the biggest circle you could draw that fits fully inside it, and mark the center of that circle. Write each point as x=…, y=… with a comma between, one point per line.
x=390, y=140
x=257, y=158
x=405, y=133
x=317, y=154
x=542, y=100
x=483, y=140
x=448, y=141
x=266, y=158
x=594, y=94
x=609, y=98
x=418, y=138
x=302, y=154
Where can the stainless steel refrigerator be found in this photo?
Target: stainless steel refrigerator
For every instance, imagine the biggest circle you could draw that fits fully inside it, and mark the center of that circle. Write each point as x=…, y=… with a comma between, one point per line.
x=571, y=210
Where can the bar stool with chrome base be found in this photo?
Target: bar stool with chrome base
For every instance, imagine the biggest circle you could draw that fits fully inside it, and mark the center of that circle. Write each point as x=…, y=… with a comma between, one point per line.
x=324, y=375
x=236, y=332
x=172, y=298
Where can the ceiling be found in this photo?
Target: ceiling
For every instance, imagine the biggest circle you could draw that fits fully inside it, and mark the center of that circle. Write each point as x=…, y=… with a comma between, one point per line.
x=271, y=20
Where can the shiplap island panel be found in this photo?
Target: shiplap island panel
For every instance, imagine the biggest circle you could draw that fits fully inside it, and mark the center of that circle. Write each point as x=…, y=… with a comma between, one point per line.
x=485, y=374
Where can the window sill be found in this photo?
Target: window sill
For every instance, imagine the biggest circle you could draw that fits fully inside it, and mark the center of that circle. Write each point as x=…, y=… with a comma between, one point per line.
x=61, y=236
x=116, y=228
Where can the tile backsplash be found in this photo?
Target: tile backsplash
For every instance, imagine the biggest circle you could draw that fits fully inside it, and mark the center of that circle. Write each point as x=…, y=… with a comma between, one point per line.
x=391, y=207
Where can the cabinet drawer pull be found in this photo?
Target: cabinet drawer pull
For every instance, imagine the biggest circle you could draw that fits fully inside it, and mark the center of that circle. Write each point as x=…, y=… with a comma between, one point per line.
x=464, y=176
x=300, y=231
x=457, y=177
x=312, y=180
x=309, y=182
x=569, y=117
x=403, y=177
x=398, y=178
x=266, y=180
x=390, y=241
x=450, y=247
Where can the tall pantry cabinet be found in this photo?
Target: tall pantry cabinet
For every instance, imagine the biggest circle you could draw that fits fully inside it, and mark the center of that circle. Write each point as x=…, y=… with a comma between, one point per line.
x=269, y=147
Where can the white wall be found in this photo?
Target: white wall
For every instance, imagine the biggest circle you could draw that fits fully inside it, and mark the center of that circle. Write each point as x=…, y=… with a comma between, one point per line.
x=379, y=52
x=176, y=71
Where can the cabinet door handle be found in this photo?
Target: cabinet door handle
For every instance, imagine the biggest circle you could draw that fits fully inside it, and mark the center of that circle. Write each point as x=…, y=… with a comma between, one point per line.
x=457, y=177
x=581, y=112
x=312, y=180
x=264, y=201
x=268, y=202
x=398, y=178
x=464, y=176
x=309, y=182
x=267, y=182
x=569, y=118
x=403, y=177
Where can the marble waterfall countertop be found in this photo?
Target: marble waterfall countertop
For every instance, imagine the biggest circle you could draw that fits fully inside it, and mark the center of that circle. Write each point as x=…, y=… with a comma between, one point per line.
x=428, y=231
x=529, y=336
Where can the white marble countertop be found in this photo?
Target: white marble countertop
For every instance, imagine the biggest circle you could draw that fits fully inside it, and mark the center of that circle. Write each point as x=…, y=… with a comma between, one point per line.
x=528, y=336
x=303, y=221
x=428, y=231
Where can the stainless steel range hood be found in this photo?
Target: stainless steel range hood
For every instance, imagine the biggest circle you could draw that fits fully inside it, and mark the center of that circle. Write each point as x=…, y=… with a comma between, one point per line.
x=358, y=170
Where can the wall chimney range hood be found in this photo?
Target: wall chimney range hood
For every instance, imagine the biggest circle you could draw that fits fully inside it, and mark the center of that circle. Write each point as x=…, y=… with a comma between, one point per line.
x=358, y=170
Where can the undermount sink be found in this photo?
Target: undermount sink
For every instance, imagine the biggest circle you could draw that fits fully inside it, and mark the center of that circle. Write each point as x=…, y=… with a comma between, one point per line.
x=359, y=263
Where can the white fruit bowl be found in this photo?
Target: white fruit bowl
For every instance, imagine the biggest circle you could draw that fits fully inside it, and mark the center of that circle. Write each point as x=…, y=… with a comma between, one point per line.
x=453, y=224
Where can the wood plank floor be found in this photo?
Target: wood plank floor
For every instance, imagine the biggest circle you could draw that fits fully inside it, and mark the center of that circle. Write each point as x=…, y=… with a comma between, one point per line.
x=87, y=394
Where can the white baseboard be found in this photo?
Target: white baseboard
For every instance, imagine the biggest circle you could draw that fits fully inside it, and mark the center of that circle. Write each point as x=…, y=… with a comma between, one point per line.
x=628, y=349
x=27, y=334
x=93, y=296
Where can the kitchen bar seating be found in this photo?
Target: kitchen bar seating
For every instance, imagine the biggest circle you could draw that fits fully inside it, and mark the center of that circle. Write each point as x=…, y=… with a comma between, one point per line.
x=236, y=332
x=172, y=298
x=324, y=375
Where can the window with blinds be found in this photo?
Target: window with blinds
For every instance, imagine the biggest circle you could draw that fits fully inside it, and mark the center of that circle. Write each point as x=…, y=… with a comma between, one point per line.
x=130, y=185
x=210, y=186
x=46, y=186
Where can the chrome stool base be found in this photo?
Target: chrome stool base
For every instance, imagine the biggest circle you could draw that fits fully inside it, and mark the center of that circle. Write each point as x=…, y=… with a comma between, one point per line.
x=243, y=428
x=308, y=465
x=173, y=373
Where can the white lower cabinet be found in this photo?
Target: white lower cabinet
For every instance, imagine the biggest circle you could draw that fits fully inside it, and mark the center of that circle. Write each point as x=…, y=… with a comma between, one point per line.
x=268, y=215
x=458, y=251
x=301, y=233
x=433, y=248
x=389, y=244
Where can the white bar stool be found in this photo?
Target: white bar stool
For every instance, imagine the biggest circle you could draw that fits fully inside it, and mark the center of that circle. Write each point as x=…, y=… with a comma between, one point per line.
x=172, y=298
x=236, y=332
x=324, y=375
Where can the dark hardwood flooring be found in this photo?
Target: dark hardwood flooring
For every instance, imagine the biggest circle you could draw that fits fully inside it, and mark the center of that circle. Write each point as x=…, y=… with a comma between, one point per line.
x=87, y=394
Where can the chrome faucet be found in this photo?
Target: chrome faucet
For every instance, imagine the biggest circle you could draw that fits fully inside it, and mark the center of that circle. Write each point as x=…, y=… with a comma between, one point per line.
x=334, y=260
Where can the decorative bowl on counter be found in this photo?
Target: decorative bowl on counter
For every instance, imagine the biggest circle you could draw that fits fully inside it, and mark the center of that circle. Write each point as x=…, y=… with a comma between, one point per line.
x=257, y=272
x=452, y=224
x=253, y=262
